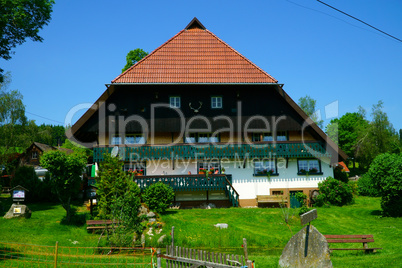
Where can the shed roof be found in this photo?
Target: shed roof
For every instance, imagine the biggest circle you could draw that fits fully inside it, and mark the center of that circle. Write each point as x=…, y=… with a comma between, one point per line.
x=194, y=55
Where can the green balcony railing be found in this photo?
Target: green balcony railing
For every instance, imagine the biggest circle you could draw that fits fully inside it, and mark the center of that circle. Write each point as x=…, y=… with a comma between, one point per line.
x=193, y=183
x=215, y=151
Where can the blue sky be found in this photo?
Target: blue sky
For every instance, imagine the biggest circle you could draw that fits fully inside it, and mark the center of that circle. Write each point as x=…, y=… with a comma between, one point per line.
x=307, y=46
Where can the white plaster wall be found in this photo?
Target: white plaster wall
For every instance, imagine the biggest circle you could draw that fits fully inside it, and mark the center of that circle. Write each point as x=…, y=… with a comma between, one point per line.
x=249, y=186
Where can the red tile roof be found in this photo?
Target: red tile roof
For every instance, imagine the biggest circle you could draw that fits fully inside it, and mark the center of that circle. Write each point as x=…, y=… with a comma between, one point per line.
x=194, y=55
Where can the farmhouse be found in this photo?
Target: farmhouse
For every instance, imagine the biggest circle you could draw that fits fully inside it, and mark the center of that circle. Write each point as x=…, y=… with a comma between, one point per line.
x=199, y=116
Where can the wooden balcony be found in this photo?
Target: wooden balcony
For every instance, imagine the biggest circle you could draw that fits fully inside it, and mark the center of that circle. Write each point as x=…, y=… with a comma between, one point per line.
x=199, y=182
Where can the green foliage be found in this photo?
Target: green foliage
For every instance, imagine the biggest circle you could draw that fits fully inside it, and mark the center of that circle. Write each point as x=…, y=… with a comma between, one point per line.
x=386, y=173
x=366, y=186
x=19, y=20
x=65, y=171
x=119, y=199
x=133, y=57
x=340, y=175
x=335, y=192
x=302, y=199
x=345, y=131
x=158, y=197
x=39, y=190
x=377, y=138
x=308, y=105
x=16, y=132
x=319, y=200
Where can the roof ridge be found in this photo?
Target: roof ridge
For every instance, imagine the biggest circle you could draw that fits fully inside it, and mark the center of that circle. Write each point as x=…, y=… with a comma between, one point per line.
x=147, y=56
x=241, y=55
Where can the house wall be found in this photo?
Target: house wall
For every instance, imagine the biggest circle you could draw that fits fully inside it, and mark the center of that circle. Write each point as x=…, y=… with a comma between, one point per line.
x=245, y=183
x=249, y=186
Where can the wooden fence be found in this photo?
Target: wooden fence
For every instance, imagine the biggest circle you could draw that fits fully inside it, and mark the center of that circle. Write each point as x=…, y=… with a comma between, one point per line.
x=187, y=257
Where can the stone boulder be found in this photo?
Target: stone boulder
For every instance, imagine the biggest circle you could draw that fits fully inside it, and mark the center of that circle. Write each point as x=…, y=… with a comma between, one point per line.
x=17, y=211
x=318, y=254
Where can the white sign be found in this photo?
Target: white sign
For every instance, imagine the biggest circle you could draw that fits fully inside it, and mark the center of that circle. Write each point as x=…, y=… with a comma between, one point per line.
x=18, y=194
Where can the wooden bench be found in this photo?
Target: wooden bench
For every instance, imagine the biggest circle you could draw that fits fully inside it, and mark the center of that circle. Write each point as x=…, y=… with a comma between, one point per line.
x=100, y=224
x=352, y=239
x=271, y=199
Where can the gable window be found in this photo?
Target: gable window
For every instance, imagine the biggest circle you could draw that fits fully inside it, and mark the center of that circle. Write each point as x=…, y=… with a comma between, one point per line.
x=265, y=167
x=134, y=139
x=310, y=166
x=174, y=102
x=34, y=155
x=216, y=102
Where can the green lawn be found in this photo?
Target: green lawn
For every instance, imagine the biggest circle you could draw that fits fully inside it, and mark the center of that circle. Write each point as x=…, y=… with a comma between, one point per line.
x=265, y=230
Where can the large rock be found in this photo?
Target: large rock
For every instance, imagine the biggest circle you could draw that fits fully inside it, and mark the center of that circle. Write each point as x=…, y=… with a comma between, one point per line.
x=318, y=254
x=17, y=211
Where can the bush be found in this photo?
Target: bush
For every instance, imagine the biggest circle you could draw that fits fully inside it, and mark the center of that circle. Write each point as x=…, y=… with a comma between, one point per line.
x=385, y=173
x=319, y=201
x=336, y=192
x=158, y=197
x=302, y=198
x=366, y=186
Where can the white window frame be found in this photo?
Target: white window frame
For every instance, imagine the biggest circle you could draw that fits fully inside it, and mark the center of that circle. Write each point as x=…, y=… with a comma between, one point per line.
x=307, y=165
x=175, y=102
x=216, y=102
x=261, y=167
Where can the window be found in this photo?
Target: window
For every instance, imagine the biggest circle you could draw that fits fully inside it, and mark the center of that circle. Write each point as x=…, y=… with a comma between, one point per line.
x=134, y=139
x=200, y=138
x=212, y=166
x=281, y=136
x=312, y=166
x=175, y=102
x=137, y=168
x=262, y=137
x=191, y=138
x=265, y=167
x=267, y=136
x=216, y=102
x=116, y=140
x=34, y=155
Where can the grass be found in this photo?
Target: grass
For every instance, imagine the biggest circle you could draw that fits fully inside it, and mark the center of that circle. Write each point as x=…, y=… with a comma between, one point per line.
x=265, y=230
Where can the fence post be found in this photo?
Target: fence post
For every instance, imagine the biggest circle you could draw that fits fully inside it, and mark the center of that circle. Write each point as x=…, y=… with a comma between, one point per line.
x=158, y=259
x=173, y=241
x=55, y=254
x=245, y=249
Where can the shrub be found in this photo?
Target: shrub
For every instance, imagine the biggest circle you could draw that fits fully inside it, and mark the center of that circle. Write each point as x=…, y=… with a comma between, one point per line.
x=385, y=173
x=158, y=197
x=319, y=201
x=366, y=186
x=336, y=192
x=302, y=198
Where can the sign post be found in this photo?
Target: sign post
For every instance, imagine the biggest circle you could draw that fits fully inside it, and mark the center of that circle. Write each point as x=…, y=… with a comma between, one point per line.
x=307, y=218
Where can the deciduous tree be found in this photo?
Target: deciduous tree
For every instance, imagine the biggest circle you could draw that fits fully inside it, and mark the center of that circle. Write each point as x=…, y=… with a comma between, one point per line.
x=133, y=57
x=65, y=171
x=308, y=105
x=19, y=20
